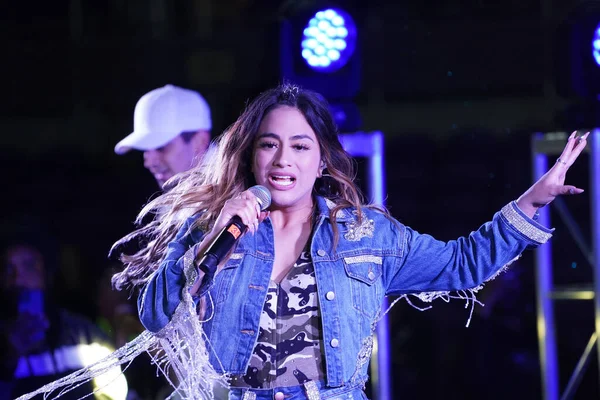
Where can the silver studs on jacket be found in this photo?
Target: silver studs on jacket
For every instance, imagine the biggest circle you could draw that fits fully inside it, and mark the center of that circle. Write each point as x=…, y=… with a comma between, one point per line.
x=357, y=231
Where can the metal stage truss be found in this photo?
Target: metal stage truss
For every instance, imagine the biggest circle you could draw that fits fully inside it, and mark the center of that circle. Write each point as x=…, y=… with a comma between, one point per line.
x=370, y=146
x=544, y=146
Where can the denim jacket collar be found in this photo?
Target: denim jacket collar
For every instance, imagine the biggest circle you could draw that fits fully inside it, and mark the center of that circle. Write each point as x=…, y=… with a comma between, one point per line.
x=324, y=207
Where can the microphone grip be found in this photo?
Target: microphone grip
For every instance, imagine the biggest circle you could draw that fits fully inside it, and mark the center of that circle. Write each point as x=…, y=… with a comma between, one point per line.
x=222, y=244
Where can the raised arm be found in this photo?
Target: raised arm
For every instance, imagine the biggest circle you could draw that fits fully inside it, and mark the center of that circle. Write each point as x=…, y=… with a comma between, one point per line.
x=430, y=265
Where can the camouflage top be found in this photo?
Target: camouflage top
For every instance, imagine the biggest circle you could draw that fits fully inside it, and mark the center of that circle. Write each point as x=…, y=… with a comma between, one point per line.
x=288, y=349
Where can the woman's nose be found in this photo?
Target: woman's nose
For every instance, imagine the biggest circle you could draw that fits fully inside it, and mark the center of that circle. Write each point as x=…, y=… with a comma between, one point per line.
x=282, y=158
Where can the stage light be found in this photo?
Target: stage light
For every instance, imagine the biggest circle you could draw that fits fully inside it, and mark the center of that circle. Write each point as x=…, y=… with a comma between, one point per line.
x=329, y=40
x=596, y=45
x=319, y=50
x=577, y=51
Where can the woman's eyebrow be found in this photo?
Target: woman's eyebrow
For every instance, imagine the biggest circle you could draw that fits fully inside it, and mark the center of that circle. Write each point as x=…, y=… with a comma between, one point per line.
x=276, y=136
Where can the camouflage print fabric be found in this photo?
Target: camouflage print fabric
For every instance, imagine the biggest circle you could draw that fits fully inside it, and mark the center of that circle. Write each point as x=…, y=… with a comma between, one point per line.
x=288, y=349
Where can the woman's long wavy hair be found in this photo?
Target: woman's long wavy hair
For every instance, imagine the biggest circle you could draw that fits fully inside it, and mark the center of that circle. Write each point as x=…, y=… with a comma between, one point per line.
x=225, y=171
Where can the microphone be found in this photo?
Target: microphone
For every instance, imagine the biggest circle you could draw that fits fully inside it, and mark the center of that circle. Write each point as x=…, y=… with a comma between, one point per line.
x=231, y=233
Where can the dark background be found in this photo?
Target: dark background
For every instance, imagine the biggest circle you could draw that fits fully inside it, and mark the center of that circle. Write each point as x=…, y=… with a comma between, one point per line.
x=457, y=87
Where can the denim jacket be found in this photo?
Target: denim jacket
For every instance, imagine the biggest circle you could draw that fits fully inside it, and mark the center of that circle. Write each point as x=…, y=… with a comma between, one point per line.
x=376, y=258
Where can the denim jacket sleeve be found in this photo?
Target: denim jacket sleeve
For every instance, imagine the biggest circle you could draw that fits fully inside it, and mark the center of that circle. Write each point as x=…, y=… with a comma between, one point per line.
x=163, y=292
x=430, y=265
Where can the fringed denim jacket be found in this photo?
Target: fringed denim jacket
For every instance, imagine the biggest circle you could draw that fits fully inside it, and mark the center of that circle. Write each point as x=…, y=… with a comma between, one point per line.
x=373, y=259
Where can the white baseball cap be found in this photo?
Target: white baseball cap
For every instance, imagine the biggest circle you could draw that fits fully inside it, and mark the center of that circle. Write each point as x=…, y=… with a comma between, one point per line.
x=162, y=114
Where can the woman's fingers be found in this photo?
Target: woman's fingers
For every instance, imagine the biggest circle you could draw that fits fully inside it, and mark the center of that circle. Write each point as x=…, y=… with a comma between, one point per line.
x=551, y=184
x=570, y=189
x=248, y=214
x=564, y=190
x=263, y=216
x=568, y=147
x=253, y=210
x=245, y=206
x=578, y=146
x=572, y=150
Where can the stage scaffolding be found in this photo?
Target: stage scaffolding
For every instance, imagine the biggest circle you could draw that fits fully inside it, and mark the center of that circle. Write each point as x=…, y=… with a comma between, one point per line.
x=547, y=146
x=370, y=146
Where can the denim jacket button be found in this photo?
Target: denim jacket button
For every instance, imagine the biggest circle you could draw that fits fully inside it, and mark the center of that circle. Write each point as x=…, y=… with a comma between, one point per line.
x=279, y=396
x=335, y=343
x=321, y=252
x=330, y=295
x=371, y=275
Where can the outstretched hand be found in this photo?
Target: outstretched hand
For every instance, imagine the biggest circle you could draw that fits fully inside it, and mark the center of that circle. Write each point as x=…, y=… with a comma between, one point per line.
x=552, y=183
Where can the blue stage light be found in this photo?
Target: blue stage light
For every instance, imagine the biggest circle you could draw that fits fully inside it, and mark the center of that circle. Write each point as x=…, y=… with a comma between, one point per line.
x=596, y=45
x=577, y=54
x=328, y=40
x=319, y=50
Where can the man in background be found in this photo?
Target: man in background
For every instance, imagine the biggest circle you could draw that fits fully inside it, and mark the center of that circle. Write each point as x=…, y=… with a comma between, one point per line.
x=171, y=125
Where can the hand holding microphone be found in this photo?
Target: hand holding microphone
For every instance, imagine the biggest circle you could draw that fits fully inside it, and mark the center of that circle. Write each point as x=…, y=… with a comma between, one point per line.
x=248, y=208
x=238, y=215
